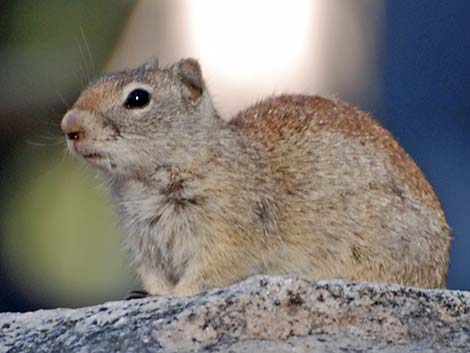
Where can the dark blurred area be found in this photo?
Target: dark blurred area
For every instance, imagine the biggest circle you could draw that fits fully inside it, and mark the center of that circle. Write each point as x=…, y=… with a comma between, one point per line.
x=425, y=70
x=407, y=64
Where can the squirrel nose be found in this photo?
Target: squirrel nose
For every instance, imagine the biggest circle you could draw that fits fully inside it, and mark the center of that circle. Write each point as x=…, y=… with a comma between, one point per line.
x=72, y=126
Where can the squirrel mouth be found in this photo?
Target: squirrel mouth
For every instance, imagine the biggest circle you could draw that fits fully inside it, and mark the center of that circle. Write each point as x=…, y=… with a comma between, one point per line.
x=93, y=156
x=83, y=151
x=98, y=159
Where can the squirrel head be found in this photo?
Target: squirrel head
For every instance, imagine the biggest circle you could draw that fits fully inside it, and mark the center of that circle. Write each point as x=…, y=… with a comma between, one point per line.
x=128, y=121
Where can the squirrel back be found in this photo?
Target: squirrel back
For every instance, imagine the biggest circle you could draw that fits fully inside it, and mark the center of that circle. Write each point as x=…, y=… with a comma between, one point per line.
x=356, y=183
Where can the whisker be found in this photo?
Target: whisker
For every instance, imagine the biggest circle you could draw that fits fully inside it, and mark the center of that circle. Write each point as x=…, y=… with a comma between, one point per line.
x=90, y=56
x=83, y=66
x=62, y=98
x=52, y=142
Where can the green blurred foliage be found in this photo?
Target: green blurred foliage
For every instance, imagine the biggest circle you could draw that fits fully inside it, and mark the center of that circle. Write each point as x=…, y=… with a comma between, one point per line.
x=59, y=245
x=62, y=245
x=57, y=20
x=49, y=48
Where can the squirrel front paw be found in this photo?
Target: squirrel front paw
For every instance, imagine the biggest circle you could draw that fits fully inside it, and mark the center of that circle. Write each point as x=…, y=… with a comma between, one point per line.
x=137, y=294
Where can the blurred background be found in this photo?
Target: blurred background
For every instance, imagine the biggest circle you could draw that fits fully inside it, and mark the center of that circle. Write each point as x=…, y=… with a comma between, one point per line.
x=406, y=63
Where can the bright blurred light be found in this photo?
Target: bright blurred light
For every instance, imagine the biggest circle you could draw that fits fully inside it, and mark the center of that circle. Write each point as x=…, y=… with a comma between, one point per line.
x=246, y=39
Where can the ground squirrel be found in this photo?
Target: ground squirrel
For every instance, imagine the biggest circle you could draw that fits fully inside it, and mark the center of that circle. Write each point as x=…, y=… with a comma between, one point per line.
x=294, y=184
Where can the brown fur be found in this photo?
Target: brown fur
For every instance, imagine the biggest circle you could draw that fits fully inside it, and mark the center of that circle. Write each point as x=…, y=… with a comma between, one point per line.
x=271, y=118
x=90, y=100
x=292, y=185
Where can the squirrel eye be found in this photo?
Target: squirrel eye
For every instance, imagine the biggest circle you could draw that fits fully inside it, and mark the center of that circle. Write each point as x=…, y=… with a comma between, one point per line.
x=138, y=98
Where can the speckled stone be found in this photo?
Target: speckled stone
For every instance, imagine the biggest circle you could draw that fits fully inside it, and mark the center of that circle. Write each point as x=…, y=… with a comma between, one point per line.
x=262, y=314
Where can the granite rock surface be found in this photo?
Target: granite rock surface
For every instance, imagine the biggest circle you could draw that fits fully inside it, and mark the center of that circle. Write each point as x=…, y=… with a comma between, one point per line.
x=261, y=314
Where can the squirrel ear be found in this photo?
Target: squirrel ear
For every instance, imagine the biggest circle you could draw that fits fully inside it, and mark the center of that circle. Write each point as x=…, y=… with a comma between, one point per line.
x=151, y=63
x=190, y=74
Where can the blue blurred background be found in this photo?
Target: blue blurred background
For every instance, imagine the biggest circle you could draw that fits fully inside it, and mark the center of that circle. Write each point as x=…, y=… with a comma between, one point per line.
x=425, y=80
x=406, y=63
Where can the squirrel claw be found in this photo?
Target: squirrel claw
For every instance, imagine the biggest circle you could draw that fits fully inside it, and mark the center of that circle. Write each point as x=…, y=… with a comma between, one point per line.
x=137, y=294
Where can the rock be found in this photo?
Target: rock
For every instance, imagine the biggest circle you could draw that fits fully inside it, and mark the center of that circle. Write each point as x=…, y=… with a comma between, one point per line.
x=262, y=314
